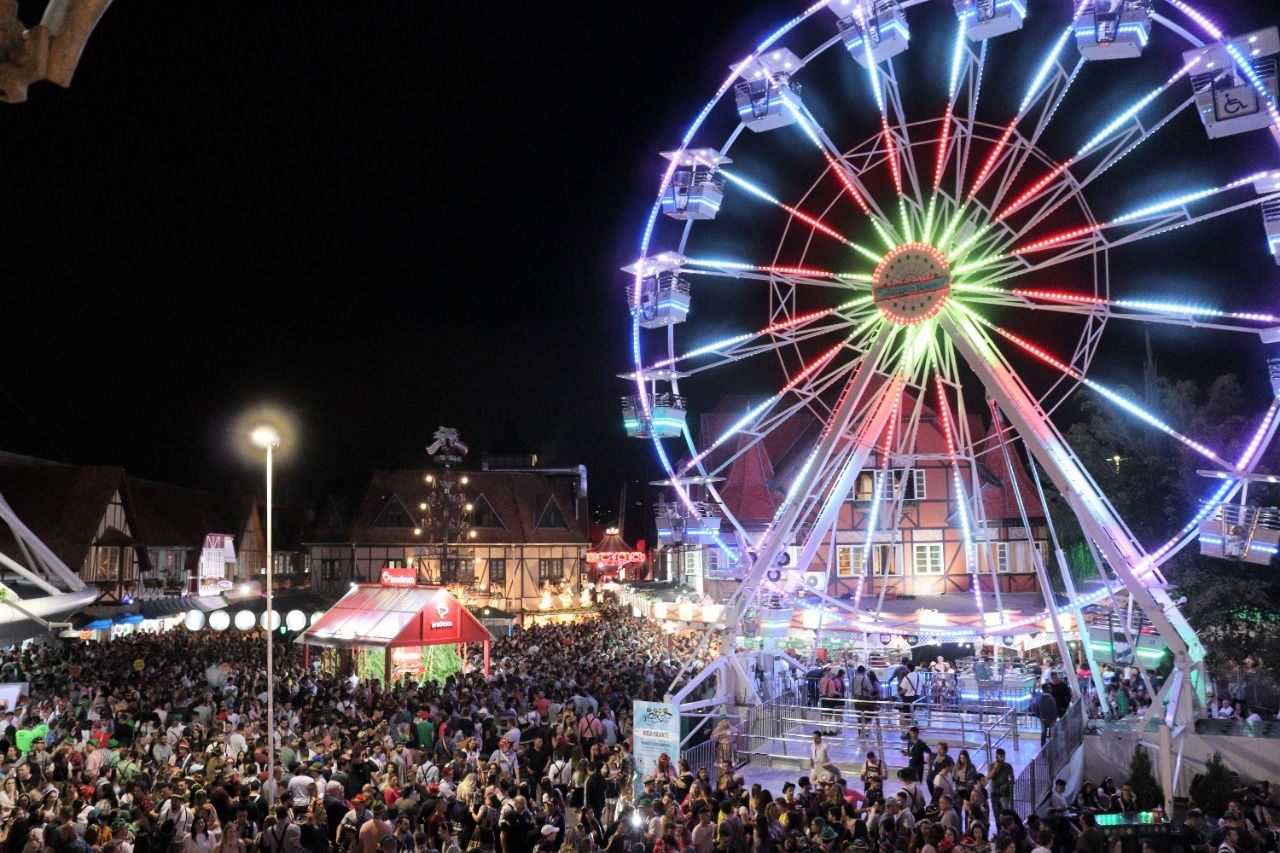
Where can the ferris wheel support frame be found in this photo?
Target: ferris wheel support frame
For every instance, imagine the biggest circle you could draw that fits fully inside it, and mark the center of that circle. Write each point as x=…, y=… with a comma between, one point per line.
x=1094, y=512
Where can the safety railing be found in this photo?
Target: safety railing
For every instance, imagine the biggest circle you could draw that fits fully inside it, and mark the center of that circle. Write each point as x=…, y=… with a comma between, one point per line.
x=788, y=727
x=1031, y=787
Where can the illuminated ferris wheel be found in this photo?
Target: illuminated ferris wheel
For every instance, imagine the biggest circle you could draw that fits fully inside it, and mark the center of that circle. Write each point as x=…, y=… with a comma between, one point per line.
x=942, y=211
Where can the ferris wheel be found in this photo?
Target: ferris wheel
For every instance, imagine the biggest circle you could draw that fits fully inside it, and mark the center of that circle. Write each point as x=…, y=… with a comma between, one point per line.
x=953, y=216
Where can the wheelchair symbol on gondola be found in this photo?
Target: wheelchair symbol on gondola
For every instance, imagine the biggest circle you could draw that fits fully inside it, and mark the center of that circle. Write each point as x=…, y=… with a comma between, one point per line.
x=1236, y=102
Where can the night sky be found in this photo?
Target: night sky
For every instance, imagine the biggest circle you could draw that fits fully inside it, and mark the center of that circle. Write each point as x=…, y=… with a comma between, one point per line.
x=381, y=218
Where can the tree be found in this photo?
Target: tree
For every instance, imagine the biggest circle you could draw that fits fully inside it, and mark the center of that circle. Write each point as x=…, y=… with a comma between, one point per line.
x=1212, y=789
x=1233, y=606
x=1143, y=780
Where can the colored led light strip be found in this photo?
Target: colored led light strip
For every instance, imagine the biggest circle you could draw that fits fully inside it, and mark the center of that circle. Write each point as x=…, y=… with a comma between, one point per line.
x=813, y=222
x=647, y=236
x=1147, y=305
x=1032, y=92
x=755, y=412
x=735, y=265
x=990, y=163
x=1097, y=139
x=771, y=328
x=1047, y=64
x=1130, y=407
x=948, y=432
x=873, y=514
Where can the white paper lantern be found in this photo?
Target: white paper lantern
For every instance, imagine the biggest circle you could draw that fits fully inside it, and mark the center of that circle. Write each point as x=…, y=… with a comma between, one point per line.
x=245, y=620
x=270, y=620
x=295, y=620
x=219, y=620
x=194, y=620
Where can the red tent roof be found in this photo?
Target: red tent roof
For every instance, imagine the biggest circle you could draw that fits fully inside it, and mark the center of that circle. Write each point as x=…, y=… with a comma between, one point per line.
x=378, y=617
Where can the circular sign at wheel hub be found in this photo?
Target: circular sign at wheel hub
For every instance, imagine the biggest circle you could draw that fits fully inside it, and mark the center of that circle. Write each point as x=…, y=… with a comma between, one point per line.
x=911, y=283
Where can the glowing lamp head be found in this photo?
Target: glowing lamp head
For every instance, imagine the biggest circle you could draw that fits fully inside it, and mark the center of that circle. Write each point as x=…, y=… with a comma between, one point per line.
x=911, y=283
x=469, y=507
x=464, y=479
x=422, y=505
x=471, y=534
x=417, y=531
x=265, y=437
x=428, y=479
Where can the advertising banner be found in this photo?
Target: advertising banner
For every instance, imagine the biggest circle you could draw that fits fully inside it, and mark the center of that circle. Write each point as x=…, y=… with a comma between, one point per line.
x=656, y=729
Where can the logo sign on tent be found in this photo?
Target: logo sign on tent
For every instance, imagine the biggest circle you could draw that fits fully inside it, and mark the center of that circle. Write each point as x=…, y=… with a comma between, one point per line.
x=614, y=558
x=656, y=728
x=399, y=577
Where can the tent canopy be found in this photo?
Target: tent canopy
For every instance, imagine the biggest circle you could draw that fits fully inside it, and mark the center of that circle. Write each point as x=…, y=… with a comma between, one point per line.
x=372, y=616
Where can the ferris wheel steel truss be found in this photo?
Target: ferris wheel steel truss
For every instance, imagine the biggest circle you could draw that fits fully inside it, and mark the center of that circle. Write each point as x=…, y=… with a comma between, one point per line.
x=968, y=197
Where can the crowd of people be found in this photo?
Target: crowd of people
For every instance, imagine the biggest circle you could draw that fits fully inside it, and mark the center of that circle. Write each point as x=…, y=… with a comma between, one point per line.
x=158, y=743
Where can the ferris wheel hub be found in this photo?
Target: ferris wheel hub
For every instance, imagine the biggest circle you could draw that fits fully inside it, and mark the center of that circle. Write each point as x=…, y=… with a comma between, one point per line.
x=911, y=283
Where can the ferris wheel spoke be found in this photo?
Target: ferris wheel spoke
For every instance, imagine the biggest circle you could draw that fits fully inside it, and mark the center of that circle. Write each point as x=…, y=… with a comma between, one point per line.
x=893, y=97
x=946, y=140
x=767, y=272
x=1056, y=93
x=847, y=176
x=1049, y=73
x=771, y=420
x=1101, y=390
x=1111, y=153
x=755, y=412
x=1157, y=219
x=729, y=346
x=1151, y=310
x=1124, y=118
x=950, y=437
x=784, y=339
x=812, y=221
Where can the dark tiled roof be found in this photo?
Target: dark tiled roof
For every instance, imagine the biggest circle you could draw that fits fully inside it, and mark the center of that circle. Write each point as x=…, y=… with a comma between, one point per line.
x=61, y=504
x=518, y=498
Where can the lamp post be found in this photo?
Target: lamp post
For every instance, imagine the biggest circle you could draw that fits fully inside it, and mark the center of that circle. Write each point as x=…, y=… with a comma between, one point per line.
x=268, y=439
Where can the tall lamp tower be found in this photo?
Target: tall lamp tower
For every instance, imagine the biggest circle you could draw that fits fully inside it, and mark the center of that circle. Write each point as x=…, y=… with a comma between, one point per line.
x=445, y=511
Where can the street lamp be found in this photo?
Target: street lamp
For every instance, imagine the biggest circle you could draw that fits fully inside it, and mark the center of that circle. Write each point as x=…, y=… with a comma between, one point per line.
x=268, y=439
x=1116, y=460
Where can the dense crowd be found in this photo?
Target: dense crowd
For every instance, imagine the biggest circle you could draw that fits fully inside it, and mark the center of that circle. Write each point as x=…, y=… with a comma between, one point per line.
x=157, y=743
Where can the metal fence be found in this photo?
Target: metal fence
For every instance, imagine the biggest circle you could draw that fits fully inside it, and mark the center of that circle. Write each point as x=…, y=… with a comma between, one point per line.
x=1032, y=785
x=761, y=721
x=1256, y=688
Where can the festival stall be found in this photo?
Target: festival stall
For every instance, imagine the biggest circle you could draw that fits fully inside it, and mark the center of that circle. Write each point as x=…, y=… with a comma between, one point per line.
x=612, y=559
x=398, y=628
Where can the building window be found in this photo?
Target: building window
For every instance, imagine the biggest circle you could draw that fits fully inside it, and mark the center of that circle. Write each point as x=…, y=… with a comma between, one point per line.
x=691, y=562
x=394, y=516
x=392, y=563
x=713, y=559
x=1042, y=546
x=882, y=562
x=330, y=570
x=1000, y=551
x=916, y=490
x=928, y=559
x=497, y=571
x=912, y=481
x=450, y=570
x=483, y=514
x=845, y=561
x=550, y=570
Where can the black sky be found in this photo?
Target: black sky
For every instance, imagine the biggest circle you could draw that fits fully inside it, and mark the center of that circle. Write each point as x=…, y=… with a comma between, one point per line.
x=384, y=217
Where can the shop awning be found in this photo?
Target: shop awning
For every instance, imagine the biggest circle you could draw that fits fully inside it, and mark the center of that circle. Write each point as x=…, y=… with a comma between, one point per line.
x=158, y=608
x=372, y=616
